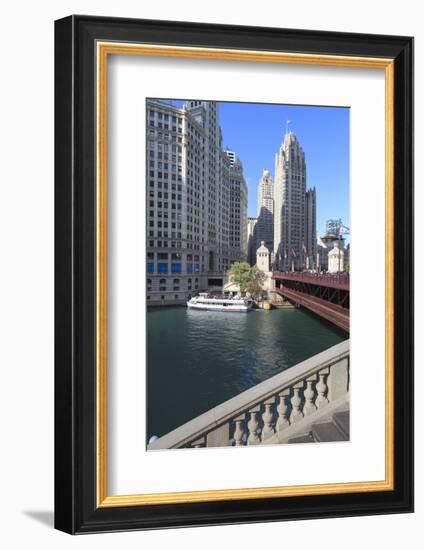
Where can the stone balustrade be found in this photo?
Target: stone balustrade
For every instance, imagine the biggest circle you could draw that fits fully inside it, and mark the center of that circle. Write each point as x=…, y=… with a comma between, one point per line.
x=271, y=409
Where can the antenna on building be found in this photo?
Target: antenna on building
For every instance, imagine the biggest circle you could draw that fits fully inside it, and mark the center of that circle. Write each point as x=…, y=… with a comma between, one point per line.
x=287, y=126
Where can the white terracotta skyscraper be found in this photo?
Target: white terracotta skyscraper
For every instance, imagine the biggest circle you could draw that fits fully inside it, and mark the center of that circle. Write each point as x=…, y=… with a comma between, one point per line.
x=289, y=205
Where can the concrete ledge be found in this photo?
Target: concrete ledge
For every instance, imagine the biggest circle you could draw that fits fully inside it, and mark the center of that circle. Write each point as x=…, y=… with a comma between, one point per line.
x=201, y=425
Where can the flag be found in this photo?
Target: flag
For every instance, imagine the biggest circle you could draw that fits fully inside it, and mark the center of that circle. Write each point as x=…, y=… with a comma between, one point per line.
x=285, y=254
x=321, y=243
x=293, y=253
x=303, y=247
x=344, y=230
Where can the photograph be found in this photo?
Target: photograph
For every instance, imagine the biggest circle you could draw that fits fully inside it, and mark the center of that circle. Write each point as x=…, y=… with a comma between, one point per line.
x=233, y=272
x=247, y=273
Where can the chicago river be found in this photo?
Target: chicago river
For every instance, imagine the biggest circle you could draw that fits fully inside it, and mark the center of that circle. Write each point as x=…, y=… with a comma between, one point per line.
x=196, y=360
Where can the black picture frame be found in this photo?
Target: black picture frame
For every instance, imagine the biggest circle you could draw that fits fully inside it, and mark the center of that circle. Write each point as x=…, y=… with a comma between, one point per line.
x=76, y=509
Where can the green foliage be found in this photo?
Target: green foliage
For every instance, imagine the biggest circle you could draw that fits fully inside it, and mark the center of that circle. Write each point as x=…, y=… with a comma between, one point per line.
x=248, y=279
x=257, y=278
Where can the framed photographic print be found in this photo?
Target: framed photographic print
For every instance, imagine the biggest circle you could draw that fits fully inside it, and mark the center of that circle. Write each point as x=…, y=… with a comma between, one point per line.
x=233, y=274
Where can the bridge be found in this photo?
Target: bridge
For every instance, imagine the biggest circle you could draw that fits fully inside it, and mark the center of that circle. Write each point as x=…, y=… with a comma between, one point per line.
x=326, y=295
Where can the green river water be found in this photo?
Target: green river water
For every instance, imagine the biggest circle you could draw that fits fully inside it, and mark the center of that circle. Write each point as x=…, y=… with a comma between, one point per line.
x=198, y=359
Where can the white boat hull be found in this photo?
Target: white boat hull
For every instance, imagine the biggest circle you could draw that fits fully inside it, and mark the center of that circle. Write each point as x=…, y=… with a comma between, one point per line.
x=218, y=307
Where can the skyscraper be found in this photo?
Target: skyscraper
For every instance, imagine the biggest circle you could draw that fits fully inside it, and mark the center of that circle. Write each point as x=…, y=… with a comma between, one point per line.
x=265, y=223
x=311, y=227
x=294, y=209
x=238, y=209
x=251, y=240
x=289, y=197
x=189, y=208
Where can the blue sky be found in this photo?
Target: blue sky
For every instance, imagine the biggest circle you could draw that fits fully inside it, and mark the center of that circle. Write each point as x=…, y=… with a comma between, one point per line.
x=256, y=131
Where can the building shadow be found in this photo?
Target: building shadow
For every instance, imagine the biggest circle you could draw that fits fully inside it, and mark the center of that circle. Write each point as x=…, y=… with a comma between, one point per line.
x=46, y=517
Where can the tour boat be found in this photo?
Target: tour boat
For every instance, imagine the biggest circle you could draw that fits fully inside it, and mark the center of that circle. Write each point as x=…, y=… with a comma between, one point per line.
x=205, y=302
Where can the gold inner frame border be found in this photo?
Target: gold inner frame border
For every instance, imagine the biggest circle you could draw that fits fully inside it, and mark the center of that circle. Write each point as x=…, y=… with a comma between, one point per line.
x=103, y=50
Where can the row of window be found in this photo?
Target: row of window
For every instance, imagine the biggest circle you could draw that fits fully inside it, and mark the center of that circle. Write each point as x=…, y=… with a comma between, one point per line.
x=163, y=284
x=163, y=267
x=174, y=281
x=164, y=116
x=165, y=204
x=175, y=256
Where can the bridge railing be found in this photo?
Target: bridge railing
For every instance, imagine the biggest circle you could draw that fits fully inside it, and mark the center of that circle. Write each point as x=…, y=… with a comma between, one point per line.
x=270, y=407
x=330, y=279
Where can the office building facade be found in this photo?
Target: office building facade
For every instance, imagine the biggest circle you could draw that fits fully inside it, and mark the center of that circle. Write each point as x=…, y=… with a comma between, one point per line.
x=311, y=227
x=238, y=209
x=265, y=224
x=251, y=240
x=292, y=220
x=188, y=199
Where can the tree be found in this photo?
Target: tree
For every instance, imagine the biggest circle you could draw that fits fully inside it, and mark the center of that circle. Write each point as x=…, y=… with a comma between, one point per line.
x=248, y=279
x=239, y=274
x=257, y=278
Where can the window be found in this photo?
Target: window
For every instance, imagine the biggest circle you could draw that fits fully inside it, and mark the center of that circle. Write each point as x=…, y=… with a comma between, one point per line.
x=162, y=255
x=150, y=267
x=162, y=268
x=176, y=268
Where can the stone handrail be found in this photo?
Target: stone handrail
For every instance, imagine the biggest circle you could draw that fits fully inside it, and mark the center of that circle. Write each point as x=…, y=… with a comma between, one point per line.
x=269, y=407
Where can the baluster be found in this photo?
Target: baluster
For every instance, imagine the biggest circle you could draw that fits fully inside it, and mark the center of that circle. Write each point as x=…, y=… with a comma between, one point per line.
x=296, y=402
x=309, y=394
x=253, y=426
x=322, y=388
x=267, y=418
x=283, y=409
x=239, y=431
